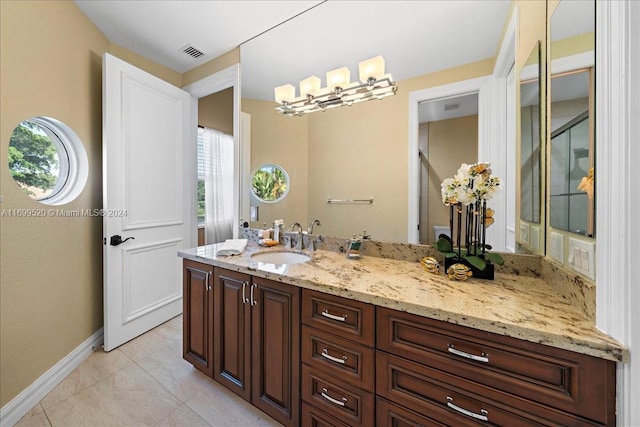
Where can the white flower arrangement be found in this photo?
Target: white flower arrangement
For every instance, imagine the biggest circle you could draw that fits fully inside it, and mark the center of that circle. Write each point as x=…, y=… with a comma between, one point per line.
x=470, y=184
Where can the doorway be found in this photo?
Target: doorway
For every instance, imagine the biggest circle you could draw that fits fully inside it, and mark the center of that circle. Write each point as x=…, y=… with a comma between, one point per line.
x=447, y=137
x=215, y=167
x=222, y=89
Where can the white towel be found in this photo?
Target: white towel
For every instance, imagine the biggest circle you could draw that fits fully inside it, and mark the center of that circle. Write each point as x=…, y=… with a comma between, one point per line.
x=232, y=247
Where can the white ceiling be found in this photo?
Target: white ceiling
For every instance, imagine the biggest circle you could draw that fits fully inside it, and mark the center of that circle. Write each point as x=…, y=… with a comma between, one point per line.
x=159, y=29
x=415, y=37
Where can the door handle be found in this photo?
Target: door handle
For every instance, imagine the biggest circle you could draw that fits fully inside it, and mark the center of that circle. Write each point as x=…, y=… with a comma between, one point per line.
x=117, y=240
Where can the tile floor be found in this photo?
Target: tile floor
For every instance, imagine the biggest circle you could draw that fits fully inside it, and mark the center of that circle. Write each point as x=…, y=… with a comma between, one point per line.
x=145, y=382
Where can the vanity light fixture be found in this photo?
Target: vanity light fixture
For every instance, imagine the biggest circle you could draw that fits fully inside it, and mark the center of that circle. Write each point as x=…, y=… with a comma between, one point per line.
x=373, y=84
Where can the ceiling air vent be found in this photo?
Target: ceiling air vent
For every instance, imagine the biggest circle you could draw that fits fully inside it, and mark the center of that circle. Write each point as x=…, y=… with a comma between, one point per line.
x=192, y=51
x=449, y=107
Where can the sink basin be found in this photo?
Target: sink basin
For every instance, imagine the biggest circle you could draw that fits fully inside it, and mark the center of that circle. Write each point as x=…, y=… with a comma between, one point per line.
x=280, y=257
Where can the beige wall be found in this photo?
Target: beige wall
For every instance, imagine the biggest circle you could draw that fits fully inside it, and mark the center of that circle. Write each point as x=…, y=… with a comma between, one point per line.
x=216, y=111
x=51, y=276
x=451, y=143
x=148, y=65
x=51, y=267
x=362, y=152
x=208, y=68
x=283, y=141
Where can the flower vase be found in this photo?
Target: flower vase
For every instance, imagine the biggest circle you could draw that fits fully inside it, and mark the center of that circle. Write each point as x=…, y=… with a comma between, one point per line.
x=487, y=273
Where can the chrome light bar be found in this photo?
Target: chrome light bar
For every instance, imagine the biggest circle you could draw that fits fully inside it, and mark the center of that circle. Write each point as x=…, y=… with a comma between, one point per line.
x=375, y=84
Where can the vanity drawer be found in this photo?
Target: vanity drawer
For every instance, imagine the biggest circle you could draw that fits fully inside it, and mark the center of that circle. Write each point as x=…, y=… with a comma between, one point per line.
x=442, y=396
x=351, y=362
x=349, y=319
x=345, y=402
x=569, y=381
x=389, y=414
x=313, y=417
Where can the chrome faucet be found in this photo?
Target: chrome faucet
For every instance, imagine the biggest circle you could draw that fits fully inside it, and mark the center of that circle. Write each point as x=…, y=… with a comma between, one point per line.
x=299, y=242
x=314, y=222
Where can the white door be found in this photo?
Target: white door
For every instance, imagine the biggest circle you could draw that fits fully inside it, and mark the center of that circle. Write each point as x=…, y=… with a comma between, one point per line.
x=148, y=198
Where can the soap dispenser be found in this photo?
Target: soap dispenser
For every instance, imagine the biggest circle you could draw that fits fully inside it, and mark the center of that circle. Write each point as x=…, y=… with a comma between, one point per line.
x=278, y=225
x=353, y=248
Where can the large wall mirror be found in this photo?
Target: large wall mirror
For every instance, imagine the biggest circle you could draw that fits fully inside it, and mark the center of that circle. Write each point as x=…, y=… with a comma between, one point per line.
x=361, y=152
x=572, y=147
x=531, y=144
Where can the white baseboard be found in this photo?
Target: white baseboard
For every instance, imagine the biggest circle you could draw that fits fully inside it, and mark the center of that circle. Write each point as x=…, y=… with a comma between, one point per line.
x=20, y=405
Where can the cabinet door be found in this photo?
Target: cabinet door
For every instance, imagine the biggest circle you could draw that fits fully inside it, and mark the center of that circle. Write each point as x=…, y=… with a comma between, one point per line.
x=197, y=300
x=276, y=350
x=232, y=335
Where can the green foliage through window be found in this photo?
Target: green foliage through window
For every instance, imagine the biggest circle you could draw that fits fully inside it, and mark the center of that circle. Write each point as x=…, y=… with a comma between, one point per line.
x=269, y=183
x=33, y=160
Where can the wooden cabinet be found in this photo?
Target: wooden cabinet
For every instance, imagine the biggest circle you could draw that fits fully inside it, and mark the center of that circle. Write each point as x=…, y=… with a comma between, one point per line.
x=275, y=328
x=313, y=417
x=313, y=359
x=197, y=320
x=257, y=342
x=232, y=331
x=423, y=364
x=338, y=360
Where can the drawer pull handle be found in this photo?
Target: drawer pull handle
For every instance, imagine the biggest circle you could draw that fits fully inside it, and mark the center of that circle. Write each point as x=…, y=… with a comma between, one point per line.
x=483, y=358
x=342, y=318
x=331, y=399
x=483, y=415
x=326, y=355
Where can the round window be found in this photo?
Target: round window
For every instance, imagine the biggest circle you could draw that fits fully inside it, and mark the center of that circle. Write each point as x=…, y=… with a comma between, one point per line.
x=270, y=183
x=47, y=160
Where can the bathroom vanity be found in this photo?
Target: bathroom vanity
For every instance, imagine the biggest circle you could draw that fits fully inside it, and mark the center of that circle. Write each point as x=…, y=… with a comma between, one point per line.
x=379, y=341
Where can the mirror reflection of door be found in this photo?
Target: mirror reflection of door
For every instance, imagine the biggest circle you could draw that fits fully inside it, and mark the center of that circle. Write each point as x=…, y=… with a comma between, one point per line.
x=215, y=167
x=448, y=137
x=572, y=146
x=530, y=183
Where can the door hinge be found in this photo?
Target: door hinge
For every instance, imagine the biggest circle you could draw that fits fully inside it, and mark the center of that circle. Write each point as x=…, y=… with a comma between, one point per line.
x=104, y=240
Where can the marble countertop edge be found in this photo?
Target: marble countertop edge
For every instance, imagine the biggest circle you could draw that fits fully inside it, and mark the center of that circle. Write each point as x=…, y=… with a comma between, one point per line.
x=373, y=280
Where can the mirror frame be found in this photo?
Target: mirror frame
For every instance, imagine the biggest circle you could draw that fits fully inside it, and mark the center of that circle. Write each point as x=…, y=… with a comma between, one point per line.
x=531, y=232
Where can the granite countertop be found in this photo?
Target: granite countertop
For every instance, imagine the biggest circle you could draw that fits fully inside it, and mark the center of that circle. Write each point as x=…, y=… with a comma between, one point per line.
x=516, y=306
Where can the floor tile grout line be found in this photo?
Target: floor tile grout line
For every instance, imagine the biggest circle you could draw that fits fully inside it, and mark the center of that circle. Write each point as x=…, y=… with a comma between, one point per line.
x=158, y=381
x=101, y=348
x=184, y=405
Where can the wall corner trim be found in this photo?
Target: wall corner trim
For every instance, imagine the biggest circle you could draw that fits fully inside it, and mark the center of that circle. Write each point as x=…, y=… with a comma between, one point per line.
x=20, y=405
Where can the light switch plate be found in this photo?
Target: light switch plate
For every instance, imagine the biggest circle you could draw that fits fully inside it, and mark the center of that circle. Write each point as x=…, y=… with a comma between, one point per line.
x=524, y=233
x=253, y=213
x=557, y=247
x=583, y=259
